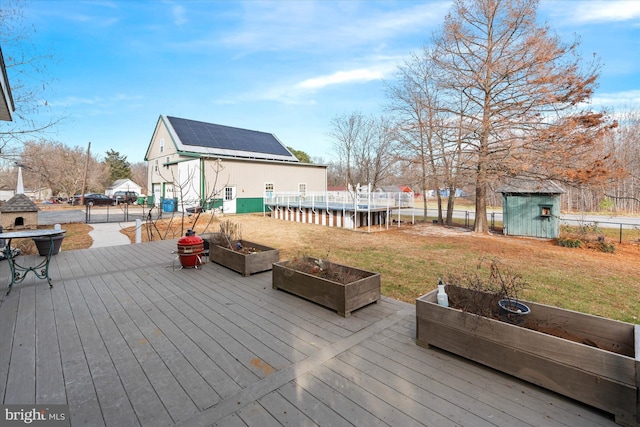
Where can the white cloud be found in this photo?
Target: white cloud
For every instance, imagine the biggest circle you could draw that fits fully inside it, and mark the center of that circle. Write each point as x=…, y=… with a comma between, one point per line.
x=300, y=92
x=329, y=26
x=339, y=77
x=617, y=99
x=584, y=12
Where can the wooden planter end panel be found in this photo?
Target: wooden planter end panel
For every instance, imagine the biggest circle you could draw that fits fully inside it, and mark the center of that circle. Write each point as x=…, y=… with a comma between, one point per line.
x=542, y=359
x=362, y=292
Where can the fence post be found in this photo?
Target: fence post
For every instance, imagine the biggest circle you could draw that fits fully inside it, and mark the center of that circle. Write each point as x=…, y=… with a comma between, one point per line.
x=138, y=230
x=620, y=233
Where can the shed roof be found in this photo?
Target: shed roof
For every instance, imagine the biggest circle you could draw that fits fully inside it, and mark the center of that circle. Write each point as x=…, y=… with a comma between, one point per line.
x=524, y=186
x=395, y=189
x=119, y=182
x=19, y=203
x=192, y=136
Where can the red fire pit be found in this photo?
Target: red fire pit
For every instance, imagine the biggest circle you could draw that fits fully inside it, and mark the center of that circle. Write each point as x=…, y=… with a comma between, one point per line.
x=190, y=249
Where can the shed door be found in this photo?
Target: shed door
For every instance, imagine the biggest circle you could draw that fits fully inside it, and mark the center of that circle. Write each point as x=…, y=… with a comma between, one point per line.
x=229, y=202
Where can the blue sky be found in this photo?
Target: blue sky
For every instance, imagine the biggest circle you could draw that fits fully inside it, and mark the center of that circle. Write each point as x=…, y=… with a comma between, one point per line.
x=285, y=67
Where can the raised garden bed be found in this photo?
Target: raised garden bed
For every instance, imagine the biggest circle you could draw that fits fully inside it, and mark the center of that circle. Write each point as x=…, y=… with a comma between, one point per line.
x=587, y=358
x=359, y=288
x=253, y=258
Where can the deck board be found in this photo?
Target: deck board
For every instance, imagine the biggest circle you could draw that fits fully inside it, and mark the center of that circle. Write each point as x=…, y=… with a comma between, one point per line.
x=114, y=403
x=494, y=389
x=21, y=382
x=49, y=375
x=126, y=340
x=8, y=315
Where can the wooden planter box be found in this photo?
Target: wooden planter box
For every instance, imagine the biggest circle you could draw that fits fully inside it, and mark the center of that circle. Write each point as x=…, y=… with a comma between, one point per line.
x=604, y=374
x=245, y=264
x=337, y=296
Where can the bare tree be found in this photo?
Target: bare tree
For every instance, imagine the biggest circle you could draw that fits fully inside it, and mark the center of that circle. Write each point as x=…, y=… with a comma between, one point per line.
x=54, y=165
x=364, y=148
x=414, y=101
x=345, y=131
x=139, y=175
x=624, y=188
x=27, y=71
x=454, y=137
x=183, y=183
x=523, y=86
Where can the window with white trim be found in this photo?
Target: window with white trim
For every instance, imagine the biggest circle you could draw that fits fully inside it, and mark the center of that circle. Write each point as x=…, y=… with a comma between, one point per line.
x=228, y=193
x=162, y=145
x=268, y=189
x=302, y=189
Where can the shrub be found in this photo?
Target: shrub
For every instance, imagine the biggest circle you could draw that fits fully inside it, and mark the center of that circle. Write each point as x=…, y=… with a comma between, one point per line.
x=492, y=283
x=606, y=247
x=570, y=243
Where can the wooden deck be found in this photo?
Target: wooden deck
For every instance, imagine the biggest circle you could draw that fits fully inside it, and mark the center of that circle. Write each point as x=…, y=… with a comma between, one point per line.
x=125, y=341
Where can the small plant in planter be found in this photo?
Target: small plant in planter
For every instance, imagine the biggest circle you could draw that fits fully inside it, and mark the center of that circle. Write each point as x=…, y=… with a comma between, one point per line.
x=496, y=291
x=228, y=249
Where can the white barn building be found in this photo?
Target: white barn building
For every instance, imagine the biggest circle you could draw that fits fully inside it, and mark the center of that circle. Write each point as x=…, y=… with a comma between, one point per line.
x=194, y=163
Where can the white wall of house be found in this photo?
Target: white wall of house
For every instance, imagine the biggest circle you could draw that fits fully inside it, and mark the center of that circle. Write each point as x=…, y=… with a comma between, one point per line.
x=161, y=158
x=250, y=176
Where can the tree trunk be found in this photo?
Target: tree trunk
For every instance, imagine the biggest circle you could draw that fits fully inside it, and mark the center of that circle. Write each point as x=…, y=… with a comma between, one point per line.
x=450, y=205
x=439, y=206
x=480, y=223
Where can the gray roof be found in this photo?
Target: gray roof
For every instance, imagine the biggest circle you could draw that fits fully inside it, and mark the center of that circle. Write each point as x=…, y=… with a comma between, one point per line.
x=19, y=203
x=523, y=186
x=225, y=141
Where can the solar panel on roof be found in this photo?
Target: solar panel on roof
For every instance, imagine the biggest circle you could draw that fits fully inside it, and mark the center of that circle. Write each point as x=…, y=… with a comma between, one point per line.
x=200, y=134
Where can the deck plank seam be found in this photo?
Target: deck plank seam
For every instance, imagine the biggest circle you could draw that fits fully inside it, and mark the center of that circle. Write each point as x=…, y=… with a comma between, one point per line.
x=273, y=382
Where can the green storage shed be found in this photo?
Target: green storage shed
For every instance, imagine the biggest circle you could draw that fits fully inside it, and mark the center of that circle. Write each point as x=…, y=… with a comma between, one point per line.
x=531, y=208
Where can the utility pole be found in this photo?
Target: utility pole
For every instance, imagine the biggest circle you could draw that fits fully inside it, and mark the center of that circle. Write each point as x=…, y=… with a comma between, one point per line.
x=84, y=178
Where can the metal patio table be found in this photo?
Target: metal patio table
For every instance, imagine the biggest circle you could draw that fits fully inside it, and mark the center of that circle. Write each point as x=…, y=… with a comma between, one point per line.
x=18, y=271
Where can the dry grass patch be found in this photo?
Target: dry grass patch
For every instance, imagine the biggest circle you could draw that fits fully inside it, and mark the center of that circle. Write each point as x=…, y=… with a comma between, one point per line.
x=76, y=236
x=411, y=258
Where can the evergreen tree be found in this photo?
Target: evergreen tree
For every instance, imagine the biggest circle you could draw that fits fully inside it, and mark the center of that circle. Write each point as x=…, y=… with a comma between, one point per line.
x=300, y=155
x=119, y=167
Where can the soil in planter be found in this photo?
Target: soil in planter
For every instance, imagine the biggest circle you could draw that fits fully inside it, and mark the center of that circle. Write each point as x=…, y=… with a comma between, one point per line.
x=218, y=239
x=486, y=305
x=245, y=249
x=325, y=270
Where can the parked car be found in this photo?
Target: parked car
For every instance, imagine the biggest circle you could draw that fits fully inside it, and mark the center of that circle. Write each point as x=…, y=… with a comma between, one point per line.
x=91, y=199
x=125, y=197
